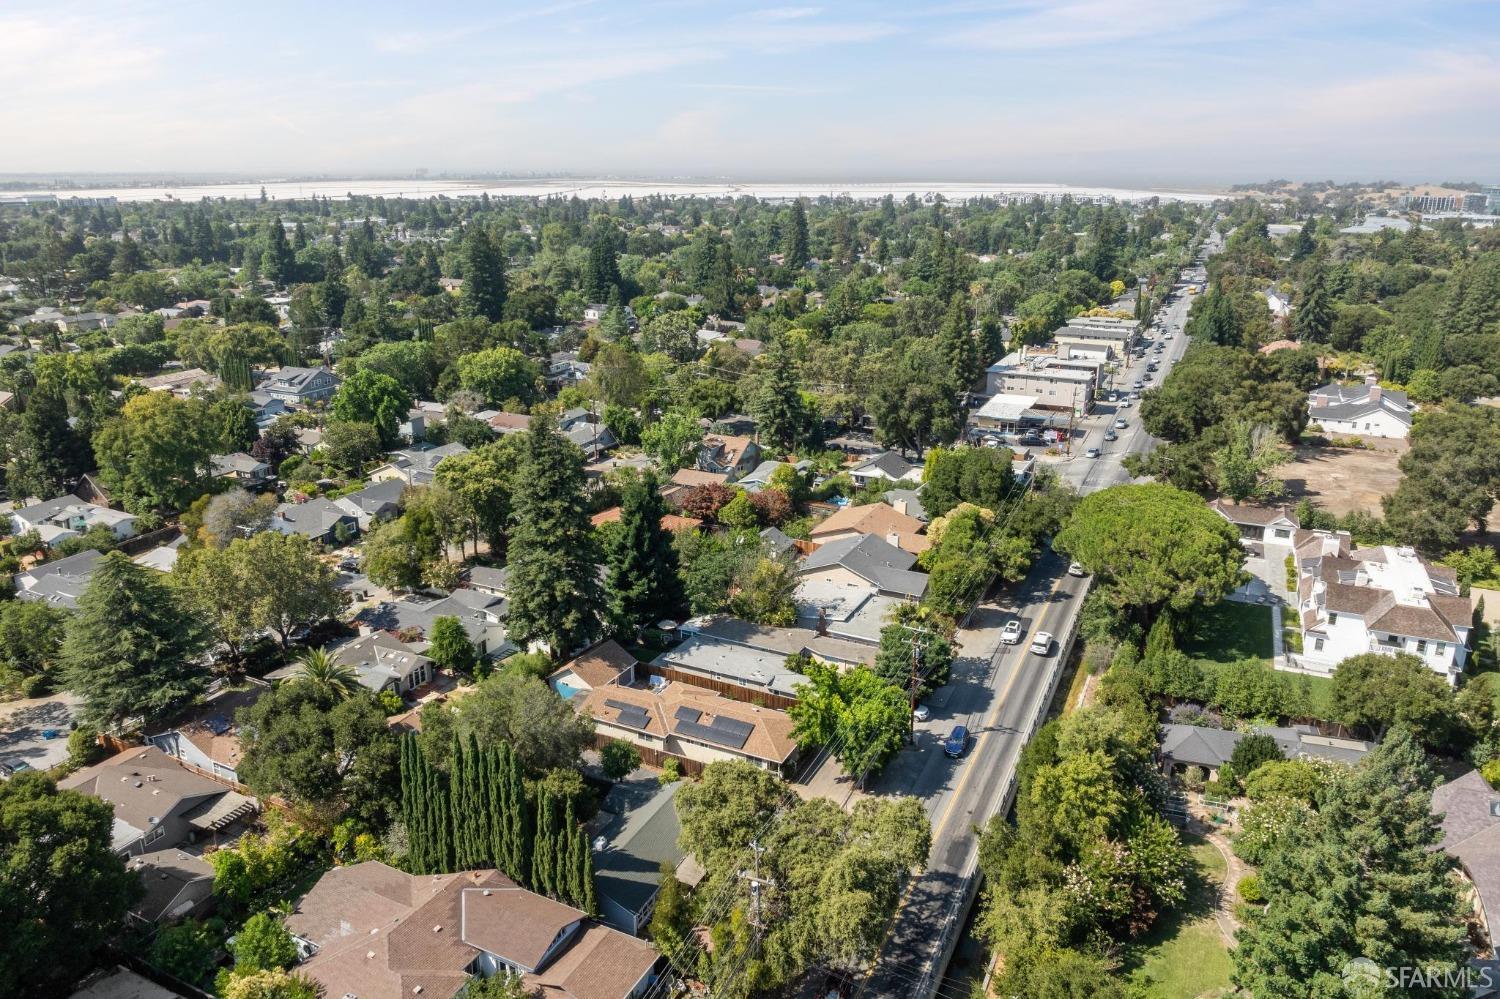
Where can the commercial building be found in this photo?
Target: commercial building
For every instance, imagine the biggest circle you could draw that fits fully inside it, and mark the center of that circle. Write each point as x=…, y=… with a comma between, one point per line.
x=1056, y=384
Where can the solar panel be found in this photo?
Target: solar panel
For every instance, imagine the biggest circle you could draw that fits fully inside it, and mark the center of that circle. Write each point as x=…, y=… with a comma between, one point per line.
x=636, y=718
x=734, y=727
x=717, y=736
x=623, y=706
x=687, y=714
x=217, y=724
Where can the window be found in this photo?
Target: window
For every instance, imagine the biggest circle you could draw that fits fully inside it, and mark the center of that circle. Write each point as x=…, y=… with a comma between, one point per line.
x=1441, y=648
x=1318, y=645
x=155, y=834
x=1333, y=617
x=1421, y=646
x=1282, y=532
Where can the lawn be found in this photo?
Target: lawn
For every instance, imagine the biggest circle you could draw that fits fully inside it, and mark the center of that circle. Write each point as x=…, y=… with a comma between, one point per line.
x=1228, y=631
x=1185, y=954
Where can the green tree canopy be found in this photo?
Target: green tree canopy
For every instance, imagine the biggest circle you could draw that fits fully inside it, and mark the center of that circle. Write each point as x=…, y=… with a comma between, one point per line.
x=367, y=396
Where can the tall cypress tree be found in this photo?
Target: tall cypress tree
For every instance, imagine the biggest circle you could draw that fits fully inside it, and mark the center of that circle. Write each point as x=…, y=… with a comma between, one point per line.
x=570, y=886
x=795, y=247
x=460, y=805
x=643, y=582
x=553, y=587
x=778, y=405
x=542, y=856
x=519, y=818
x=589, y=901
x=484, y=290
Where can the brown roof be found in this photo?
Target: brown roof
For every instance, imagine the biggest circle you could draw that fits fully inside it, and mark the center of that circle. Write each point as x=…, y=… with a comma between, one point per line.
x=1413, y=622
x=734, y=447
x=211, y=727
x=144, y=786
x=1457, y=611
x=880, y=519
x=1254, y=513
x=1362, y=600
x=669, y=521
x=601, y=665
x=385, y=934
x=1276, y=345
x=510, y=421
x=770, y=738
x=697, y=477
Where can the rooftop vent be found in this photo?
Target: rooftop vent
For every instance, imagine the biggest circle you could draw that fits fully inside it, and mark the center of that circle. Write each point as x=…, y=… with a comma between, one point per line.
x=1495, y=808
x=437, y=929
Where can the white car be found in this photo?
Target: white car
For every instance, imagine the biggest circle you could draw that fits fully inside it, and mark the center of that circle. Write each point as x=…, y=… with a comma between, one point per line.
x=1011, y=633
x=1120, y=423
x=921, y=712
x=1074, y=569
x=1041, y=645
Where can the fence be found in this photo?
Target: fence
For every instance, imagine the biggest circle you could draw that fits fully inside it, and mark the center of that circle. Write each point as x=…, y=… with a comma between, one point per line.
x=734, y=692
x=655, y=757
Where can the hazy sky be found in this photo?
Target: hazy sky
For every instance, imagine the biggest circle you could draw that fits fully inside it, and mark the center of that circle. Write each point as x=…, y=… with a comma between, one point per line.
x=1083, y=91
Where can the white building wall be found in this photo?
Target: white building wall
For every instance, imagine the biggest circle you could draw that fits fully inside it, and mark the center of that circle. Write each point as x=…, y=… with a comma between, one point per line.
x=1377, y=424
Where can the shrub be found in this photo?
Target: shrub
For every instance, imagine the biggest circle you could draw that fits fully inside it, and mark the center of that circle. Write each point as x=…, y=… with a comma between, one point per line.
x=83, y=746
x=1249, y=889
x=671, y=771
x=1491, y=772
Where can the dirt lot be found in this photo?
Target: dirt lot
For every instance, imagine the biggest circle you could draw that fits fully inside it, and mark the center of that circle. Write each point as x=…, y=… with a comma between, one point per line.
x=1341, y=480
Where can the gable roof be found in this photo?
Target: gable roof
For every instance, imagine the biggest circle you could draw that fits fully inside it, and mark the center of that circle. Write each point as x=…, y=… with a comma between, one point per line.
x=599, y=666
x=878, y=519
x=1255, y=514
x=874, y=560
x=312, y=519
x=61, y=582
x=665, y=712
x=887, y=463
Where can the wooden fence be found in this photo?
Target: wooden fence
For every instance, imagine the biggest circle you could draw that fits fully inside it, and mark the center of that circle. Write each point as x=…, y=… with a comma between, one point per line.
x=734, y=692
x=655, y=757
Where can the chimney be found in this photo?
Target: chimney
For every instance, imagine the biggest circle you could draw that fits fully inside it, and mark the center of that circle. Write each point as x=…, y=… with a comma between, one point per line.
x=900, y=506
x=1374, y=393
x=893, y=539
x=822, y=627
x=1371, y=380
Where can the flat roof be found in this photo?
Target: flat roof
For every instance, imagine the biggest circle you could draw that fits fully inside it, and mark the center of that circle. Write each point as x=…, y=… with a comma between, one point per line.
x=1006, y=406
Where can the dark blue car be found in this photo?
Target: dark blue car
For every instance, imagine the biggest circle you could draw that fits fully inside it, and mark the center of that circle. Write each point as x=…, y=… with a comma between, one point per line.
x=957, y=742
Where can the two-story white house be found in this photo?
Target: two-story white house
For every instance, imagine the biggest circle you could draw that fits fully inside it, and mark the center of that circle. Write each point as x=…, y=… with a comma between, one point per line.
x=1367, y=410
x=1386, y=600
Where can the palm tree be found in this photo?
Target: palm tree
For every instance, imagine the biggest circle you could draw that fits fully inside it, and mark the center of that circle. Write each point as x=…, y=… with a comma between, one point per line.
x=335, y=679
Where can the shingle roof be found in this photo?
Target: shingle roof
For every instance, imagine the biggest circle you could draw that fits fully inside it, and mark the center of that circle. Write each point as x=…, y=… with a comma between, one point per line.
x=874, y=560
x=600, y=665
x=1471, y=832
x=144, y=786
x=769, y=739
x=886, y=463
x=878, y=519
x=1254, y=513
x=164, y=874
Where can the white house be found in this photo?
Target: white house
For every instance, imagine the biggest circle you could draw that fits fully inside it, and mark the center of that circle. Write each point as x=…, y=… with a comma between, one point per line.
x=1279, y=302
x=69, y=517
x=1367, y=410
x=1387, y=600
x=1257, y=523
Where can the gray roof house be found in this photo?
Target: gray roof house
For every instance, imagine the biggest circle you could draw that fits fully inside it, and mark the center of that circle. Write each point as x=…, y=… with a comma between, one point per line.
x=638, y=824
x=1363, y=409
x=869, y=558
x=241, y=468
x=481, y=614
x=376, y=502
x=416, y=466
x=158, y=802
x=177, y=885
x=1211, y=748
x=295, y=385
x=885, y=465
x=1469, y=810
x=318, y=519
x=384, y=663
x=593, y=438
x=59, y=583
x=68, y=516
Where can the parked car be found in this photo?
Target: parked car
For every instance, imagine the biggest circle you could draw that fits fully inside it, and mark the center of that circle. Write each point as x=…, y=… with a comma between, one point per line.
x=9, y=768
x=957, y=742
x=1041, y=645
x=1074, y=569
x=1011, y=633
x=921, y=712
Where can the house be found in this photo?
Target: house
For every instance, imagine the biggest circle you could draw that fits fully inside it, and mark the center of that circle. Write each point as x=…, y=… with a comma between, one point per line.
x=727, y=455
x=637, y=822
x=416, y=466
x=669, y=521
x=481, y=614
x=241, y=469
x=121, y=983
x=1368, y=410
x=1184, y=746
x=299, y=386
x=1468, y=810
x=1100, y=337
x=854, y=611
x=722, y=650
x=907, y=501
x=564, y=369
x=887, y=465
x=158, y=802
x=605, y=664
x=207, y=738
x=1259, y=524
x=1058, y=386
x=509, y=423
x=776, y=542
x=177, y=885
x=1278, y=301
x=319, y=519
x=1388, y=600
x=487, y=579
x=383, y=663
x=265, y=408
x=865, y=559
x=592, y=438
x=372, y=931
x=883, y=521
x=685, y=480
x=162, y=558
x=182, y=384
x=59, y=583
x=67, y=516
x=1276, y=346
x=374, y=503
x=678, y=719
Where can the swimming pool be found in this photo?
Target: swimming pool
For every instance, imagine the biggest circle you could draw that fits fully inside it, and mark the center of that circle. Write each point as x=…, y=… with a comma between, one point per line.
x=567, y=687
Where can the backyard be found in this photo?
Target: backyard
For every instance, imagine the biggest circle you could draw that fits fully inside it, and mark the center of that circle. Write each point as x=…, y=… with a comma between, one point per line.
x=1229, y=631
x=1185, y=954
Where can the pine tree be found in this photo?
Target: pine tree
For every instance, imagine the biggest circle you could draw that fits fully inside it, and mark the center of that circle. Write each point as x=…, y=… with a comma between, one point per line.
x=1313, y=320
x=1361, y=878
x=958, y=346
x=46, y=452
x=131, y=649
x=778, y=406
x=643, y=581
x=795, y=248
x=278, y=263
x=484, y=288
x=553, y=587
x=1304, y=246
x=601, y=269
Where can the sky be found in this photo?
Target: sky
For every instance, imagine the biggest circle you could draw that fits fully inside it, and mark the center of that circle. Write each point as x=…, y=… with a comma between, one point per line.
x=1131, y=92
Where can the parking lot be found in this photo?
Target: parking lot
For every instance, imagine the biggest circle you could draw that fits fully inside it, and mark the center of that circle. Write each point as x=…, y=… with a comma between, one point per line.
x=35, y=731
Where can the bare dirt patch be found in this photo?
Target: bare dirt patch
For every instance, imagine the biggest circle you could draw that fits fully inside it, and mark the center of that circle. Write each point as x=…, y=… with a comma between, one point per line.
x=1341, y=480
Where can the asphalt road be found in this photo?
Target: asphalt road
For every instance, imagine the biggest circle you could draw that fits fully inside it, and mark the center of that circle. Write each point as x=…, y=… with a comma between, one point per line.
x=999, y=692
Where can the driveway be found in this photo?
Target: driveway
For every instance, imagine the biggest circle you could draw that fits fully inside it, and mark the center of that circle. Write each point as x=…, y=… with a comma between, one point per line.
x=23, y=722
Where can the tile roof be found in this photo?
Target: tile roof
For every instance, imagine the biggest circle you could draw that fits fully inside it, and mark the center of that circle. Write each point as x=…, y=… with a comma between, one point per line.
x=770, y=737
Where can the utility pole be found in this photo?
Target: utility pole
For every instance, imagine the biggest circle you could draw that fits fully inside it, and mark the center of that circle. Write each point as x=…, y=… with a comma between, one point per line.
x=918, y=660
x=756, y=882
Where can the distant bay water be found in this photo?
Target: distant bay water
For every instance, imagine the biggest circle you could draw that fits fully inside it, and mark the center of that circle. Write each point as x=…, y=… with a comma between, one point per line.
x=286, y=190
